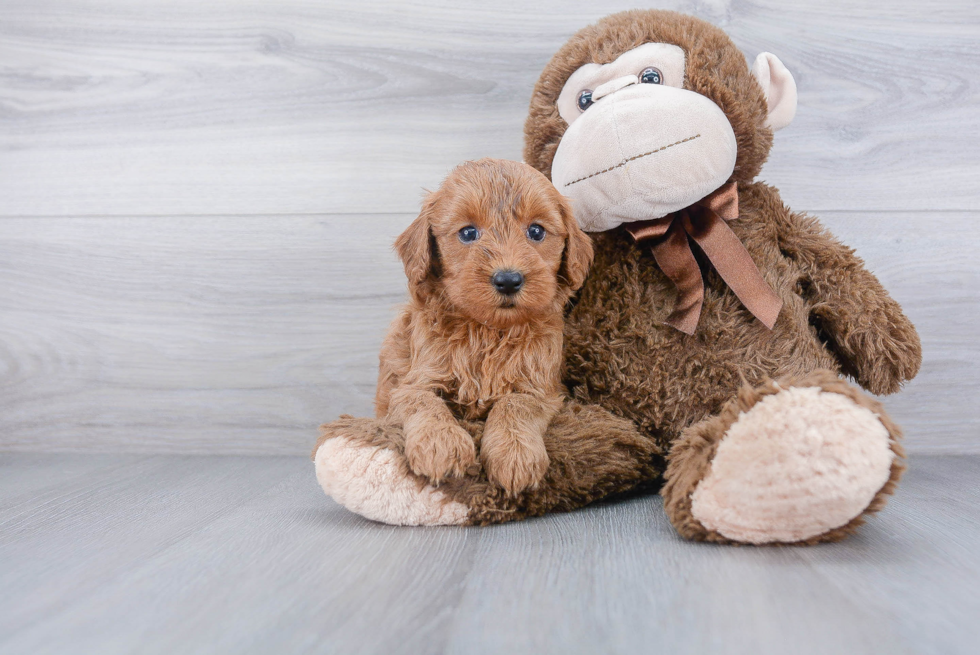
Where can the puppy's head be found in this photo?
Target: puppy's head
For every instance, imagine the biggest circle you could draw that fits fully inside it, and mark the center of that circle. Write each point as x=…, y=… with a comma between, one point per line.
x=498, y=242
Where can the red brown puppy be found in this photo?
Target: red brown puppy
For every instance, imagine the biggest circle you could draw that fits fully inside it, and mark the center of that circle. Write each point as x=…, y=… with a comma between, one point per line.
x=491, y=261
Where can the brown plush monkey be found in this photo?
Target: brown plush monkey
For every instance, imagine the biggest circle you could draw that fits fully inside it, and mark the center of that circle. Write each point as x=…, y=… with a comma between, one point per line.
x=707, y=344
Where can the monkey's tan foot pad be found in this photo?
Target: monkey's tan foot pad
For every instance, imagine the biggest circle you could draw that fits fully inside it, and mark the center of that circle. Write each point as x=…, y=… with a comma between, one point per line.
x=800, y=465
x=375, y=482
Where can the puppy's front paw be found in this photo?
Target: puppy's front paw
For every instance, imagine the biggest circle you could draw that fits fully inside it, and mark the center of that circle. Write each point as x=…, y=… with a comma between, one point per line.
x=516, y=462
x=439, y=450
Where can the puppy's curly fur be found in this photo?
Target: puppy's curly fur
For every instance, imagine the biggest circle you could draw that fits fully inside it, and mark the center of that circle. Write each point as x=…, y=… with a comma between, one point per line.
x=461, y=350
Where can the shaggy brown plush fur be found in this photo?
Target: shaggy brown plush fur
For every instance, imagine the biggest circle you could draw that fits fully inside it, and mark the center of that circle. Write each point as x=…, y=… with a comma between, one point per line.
x=619, y=354
x=835, y=316
x=461, y=348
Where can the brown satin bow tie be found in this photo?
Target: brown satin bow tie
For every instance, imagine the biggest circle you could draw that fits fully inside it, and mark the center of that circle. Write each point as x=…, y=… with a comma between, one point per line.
x=704, y=221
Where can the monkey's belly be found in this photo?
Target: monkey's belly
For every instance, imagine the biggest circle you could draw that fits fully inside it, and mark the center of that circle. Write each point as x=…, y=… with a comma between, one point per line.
x=664, y=380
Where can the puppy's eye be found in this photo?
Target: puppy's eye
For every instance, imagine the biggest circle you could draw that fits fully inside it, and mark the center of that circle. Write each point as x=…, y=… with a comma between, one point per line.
x=651, y=76
x=469, y=234
x=535, y=232
x=584, y=100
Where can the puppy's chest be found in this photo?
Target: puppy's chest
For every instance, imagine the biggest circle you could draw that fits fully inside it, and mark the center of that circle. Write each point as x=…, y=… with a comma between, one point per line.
x=476, y=373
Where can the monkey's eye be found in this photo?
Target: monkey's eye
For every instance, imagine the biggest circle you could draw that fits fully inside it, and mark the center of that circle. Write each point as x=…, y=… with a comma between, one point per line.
x=651, y=76
x=584, y=100
x=469, y=234
x=535, y=232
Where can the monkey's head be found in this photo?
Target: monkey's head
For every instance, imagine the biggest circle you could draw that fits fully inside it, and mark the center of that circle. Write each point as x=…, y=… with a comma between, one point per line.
x=646, y=112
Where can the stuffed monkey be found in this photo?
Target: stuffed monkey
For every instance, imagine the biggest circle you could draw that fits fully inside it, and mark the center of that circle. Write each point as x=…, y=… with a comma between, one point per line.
x=708, y=348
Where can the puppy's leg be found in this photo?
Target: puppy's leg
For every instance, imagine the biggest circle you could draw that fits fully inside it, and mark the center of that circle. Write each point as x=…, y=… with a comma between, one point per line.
x=512, y=449
x=436, y=445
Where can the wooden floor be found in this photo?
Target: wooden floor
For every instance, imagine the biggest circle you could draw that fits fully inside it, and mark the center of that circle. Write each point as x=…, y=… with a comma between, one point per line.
x=235, y=554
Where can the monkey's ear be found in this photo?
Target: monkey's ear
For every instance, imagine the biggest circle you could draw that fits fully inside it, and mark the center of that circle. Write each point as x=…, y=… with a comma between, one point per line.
x=779, y=87
x=577, y=258
x=416, y=248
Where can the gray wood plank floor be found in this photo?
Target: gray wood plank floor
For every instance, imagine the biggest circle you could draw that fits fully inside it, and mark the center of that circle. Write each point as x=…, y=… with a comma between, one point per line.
x=229, y=554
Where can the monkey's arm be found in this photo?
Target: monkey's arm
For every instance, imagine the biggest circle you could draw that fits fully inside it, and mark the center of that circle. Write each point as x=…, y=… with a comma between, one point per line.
x=864, y=326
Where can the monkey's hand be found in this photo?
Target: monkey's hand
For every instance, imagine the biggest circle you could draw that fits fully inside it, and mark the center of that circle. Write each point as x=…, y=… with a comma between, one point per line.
x=873, y=340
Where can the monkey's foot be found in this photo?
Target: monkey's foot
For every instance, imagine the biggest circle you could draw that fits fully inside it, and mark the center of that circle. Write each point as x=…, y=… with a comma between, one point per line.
x=373, y=480
x=799, y=461
x=361, y=464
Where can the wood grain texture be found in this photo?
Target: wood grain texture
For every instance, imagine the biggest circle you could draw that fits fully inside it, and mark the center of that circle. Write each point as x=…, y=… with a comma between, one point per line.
x=225, y=107
x=242, y=334
x=166, y=554
x=252, y=330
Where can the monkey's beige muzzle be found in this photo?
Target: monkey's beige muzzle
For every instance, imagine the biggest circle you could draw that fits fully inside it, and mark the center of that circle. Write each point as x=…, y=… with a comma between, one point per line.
x=642, y=151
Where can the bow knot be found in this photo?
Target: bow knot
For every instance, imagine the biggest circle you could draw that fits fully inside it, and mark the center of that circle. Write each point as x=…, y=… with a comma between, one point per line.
x=704, y=221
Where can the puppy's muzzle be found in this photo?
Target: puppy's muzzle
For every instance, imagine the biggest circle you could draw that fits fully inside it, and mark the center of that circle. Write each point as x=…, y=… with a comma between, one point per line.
x=507, y=282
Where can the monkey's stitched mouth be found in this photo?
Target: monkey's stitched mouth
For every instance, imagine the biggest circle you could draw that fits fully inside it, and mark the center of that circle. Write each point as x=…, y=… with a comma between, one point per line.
x=633, y=158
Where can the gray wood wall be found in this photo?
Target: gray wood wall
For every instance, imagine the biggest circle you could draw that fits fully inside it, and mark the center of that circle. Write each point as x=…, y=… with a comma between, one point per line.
x=197, y=199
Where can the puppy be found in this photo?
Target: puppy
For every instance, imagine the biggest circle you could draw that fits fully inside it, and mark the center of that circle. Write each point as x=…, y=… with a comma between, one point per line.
x=492, y=259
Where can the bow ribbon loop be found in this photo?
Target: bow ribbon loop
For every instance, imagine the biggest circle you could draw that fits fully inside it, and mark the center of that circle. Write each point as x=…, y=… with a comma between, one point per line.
x=704, y=221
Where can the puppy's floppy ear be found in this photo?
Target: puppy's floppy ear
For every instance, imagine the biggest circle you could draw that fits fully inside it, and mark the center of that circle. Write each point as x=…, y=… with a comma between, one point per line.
x=416, y=248
x=577, y=258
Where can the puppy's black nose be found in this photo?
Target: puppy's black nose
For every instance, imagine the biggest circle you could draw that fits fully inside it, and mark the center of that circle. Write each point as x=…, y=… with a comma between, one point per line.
x=507, y=282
